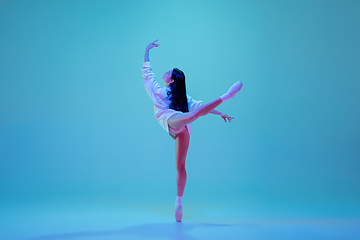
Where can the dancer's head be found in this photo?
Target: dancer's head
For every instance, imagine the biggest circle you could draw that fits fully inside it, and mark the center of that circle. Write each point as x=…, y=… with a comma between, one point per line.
x=167, y=78
x=177, y=91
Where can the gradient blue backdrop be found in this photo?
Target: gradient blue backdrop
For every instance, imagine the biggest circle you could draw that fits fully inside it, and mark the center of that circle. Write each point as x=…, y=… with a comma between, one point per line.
x=76, y=122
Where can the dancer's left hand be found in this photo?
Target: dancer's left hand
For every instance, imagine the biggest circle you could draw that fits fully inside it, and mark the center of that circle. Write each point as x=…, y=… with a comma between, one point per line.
x=152, y=44
x=226, y=117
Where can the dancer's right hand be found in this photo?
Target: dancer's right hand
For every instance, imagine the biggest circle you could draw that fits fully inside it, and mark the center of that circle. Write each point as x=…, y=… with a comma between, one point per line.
x=226, y=117
x=152, y=44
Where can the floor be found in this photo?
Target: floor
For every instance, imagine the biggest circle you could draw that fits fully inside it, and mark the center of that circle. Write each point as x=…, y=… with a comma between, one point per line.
x=84, y=221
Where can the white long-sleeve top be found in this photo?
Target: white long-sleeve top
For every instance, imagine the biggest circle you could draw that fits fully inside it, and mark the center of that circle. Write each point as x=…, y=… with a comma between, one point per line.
x=160, y=99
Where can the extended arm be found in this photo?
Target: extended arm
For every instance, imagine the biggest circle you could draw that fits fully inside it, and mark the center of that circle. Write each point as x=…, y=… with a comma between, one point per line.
x=224, y=116
x=216, y=112
x=150, y=46
x=154, y=90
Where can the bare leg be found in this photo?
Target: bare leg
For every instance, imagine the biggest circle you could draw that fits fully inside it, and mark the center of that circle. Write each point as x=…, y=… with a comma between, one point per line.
x=181, y=149
x=180, y=120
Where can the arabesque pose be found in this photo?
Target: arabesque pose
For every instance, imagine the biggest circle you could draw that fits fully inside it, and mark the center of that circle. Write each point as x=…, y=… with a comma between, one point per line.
x=174, y=110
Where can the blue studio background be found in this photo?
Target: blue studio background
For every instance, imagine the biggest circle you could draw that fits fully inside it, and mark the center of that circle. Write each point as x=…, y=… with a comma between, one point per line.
x=77, y=126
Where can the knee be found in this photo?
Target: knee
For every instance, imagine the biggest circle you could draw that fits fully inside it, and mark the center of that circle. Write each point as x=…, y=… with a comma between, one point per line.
x=181, y=168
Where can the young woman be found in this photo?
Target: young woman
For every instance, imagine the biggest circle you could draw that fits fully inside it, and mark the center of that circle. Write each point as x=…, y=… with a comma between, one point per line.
x=174, y=110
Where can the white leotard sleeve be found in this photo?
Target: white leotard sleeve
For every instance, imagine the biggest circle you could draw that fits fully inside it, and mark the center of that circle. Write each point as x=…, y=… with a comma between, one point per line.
x=193, y=104
x=155, y=91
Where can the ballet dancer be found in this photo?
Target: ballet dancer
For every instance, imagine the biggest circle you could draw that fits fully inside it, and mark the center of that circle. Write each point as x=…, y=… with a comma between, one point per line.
x=174, y=110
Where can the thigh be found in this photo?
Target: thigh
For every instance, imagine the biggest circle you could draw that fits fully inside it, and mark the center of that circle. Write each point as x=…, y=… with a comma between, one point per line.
x=181, y=148
x=180, y=120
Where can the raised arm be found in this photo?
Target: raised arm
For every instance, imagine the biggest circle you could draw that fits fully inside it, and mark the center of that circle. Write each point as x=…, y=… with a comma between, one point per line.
x=150, y=46
x=154, y=90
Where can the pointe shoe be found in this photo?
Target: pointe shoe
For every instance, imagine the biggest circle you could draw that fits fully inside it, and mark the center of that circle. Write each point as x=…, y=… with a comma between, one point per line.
x=178, y=212
x=232, y=91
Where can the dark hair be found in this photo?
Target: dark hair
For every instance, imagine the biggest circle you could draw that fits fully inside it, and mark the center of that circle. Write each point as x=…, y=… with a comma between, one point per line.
x=177, y=93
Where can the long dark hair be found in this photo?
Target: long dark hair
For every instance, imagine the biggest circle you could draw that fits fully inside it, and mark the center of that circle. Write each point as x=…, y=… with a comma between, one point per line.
x=177, y=93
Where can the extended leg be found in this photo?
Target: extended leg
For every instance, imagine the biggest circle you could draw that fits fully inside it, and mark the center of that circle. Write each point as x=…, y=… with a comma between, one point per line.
x=180, y=120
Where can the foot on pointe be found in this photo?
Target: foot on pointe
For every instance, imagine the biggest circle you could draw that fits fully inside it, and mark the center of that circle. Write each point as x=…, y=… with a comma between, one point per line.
x=232, y=91
x=178, y=212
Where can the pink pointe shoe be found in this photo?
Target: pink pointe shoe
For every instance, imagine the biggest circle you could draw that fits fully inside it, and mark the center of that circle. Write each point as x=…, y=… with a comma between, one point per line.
x=178, y=212
x=233, y=90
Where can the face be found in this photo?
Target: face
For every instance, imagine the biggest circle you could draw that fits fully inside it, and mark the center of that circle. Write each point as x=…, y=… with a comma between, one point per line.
x=167, y=78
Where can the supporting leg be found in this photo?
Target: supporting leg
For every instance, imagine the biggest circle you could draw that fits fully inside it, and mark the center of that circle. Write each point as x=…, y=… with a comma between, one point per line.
x=181, y=149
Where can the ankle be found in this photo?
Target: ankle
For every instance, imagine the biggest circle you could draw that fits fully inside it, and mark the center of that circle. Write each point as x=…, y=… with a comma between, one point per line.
x=178, y=199
x=223, y=98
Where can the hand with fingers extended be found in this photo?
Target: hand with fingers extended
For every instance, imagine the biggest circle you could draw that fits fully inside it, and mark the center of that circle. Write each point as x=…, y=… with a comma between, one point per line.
x=152, y=44
x=226, y=117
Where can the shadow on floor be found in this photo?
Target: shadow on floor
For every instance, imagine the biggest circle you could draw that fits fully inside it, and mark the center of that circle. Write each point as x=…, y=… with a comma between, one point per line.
x=178, y=231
